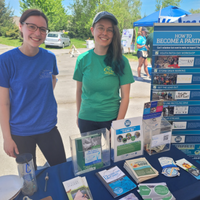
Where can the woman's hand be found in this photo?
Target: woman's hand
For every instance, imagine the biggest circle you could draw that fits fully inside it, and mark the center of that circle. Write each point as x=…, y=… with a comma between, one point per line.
x=77, y=122
x=10, y=148
x=78, y=98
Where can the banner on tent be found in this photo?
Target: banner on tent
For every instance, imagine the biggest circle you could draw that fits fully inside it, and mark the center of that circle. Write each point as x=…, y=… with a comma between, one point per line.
x=167, y=19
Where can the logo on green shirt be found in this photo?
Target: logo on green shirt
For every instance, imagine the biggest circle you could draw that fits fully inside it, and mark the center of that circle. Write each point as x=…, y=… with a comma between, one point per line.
x=108, y=70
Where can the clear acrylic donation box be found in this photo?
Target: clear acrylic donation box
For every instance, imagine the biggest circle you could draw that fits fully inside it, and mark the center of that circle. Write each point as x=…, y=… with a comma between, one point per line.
x=90, y=151
x=157, y=136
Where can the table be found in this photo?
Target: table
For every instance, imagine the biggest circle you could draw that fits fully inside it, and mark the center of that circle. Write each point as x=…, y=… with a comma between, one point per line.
x=184, y=187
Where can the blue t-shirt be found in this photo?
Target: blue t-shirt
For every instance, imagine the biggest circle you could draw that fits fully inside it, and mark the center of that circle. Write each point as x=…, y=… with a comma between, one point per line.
x=141, y=40
x=33, y=108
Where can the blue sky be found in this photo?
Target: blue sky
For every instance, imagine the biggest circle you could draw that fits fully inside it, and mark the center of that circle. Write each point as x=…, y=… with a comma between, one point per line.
x=148, y=6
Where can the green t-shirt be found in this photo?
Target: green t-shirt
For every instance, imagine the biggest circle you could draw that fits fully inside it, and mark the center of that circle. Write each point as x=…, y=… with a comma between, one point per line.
x=150, y=42
x=100, y=98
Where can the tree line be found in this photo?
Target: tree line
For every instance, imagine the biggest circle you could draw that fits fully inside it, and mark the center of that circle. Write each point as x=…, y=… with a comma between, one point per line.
x=77, y=18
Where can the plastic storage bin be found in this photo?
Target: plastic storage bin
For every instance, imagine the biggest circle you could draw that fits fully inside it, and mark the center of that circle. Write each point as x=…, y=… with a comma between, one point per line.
x=157, y=136
x=90, y=151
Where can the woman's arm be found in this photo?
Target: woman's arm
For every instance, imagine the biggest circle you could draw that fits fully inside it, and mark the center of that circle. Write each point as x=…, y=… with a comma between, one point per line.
x=78, y=96
x=9, y=144
x=125, y=90
x=140, y=46
x=54, y=81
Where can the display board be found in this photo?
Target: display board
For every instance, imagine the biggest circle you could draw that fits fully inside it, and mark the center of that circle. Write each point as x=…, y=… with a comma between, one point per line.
x=127, y=38
x=176, y=81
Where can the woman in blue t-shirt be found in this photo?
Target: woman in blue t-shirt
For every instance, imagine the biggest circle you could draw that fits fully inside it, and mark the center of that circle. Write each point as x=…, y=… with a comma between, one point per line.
x=142, y=52
x=28, y=109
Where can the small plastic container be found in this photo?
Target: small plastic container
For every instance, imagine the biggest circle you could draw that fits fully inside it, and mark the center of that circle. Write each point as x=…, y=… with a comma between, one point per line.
x=27, y=172
x=157, y=136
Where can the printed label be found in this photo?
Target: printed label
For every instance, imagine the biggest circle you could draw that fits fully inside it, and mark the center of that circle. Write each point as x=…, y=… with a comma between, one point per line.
x=111, y=174
x=179, y=125
x=182, y=95
x=92, y=156
x=184, y=78
x=178, y=139
x=186, y=61
x=161, y=139
x=181, y=110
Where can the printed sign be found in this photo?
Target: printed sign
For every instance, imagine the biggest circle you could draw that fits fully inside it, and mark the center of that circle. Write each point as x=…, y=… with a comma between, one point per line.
x=176, y=80
x=127, y=37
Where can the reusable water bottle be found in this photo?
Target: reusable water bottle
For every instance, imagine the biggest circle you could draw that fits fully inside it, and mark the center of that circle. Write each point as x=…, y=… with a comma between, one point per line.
x=27, y=172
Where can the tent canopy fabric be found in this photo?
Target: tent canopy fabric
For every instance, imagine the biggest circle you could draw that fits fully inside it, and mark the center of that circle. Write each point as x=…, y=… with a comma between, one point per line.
x=193, y=18
x=170, y=11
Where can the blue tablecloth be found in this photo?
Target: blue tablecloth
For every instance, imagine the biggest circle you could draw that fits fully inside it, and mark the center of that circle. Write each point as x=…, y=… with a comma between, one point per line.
x=184, y=187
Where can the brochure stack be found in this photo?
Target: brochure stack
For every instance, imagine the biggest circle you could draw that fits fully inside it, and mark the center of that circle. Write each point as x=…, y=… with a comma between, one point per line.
x=140, y=169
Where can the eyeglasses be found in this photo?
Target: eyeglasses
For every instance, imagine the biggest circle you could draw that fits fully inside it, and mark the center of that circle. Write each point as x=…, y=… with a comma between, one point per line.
x=101, y=29
x=34, y=27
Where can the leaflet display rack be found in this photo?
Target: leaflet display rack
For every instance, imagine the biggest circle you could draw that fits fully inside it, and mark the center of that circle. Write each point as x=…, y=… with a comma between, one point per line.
x=90, y=151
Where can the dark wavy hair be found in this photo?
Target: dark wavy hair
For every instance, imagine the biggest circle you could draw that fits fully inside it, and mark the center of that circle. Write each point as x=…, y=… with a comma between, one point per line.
x=114, y=57
x=32, y=12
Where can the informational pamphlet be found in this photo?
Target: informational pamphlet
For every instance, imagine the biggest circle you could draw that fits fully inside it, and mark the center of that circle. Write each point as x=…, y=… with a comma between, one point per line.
x=88, y=151
x=126, y=138
x=169, y=167
x=116, y=182
x=140, y=169
x=152, y=110
x=77, y=188
x=189, y=167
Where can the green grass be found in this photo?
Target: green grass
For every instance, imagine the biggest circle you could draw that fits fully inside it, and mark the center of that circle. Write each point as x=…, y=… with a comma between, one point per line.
x=133, y=57
x=77, y=42
x=10, y=42
x=16, y=42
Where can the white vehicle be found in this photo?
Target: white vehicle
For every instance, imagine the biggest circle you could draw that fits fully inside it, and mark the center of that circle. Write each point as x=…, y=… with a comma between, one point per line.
x=57, y=39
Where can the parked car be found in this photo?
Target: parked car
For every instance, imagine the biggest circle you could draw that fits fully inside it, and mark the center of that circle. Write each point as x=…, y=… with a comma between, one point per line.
x=58, y=39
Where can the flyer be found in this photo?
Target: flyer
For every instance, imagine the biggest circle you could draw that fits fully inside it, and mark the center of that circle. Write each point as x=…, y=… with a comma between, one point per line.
x=115, y=181
x=126, y=138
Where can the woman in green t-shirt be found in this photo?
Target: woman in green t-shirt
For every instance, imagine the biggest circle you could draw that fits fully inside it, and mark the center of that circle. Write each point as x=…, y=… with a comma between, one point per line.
x=100, y=74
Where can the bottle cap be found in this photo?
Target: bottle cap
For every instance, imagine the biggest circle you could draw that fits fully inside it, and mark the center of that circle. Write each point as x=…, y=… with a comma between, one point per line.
x=24, y=158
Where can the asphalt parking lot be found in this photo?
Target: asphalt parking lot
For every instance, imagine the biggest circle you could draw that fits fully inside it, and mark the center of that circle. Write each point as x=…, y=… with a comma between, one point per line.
x=65, y=96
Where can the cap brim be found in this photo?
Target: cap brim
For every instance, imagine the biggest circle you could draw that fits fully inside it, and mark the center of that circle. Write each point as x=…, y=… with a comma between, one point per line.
x=107, y=17
x=110, y=17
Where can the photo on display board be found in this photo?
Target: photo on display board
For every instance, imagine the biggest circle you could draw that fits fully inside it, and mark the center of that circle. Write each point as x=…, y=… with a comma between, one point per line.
x=163, y=95
x=168, y=110
x=165, y=79
x=147, y=105
x=175, y=62
x=166, y=62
